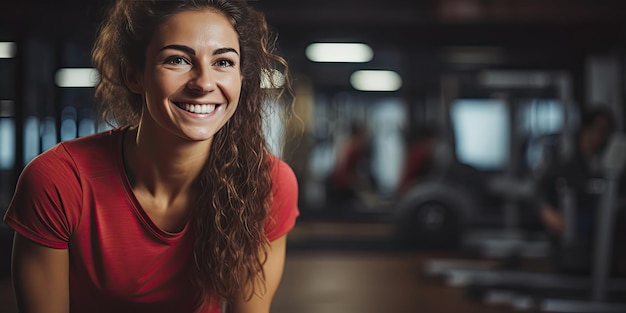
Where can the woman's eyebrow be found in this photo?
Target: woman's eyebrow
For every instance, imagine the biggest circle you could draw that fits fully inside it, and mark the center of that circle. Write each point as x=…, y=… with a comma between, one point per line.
x=183, y=48
x=191, y=51
x=225, y=50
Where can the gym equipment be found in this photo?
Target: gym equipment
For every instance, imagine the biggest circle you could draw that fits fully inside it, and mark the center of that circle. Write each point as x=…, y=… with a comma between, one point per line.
x=559, y=293
x=613, y=163
x=432, y=216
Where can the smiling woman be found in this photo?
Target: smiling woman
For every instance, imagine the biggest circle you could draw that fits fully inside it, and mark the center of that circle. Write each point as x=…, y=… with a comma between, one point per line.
x=186, y=75
x=180, y=207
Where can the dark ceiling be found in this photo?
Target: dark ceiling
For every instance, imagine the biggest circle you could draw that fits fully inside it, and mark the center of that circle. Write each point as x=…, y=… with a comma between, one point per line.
x=407, y=36
x=412, y=36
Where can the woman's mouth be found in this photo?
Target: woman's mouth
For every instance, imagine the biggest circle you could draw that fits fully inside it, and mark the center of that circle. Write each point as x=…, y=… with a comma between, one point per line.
x=197, y=108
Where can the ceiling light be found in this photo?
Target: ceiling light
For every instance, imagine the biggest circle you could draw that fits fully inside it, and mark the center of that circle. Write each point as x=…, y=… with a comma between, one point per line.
x=339, y=52
x=376, y=80
x=7, y=50
x=76, y=77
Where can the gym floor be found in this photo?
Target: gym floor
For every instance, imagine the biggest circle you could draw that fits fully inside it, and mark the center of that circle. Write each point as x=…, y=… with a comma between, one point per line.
x=317, y=282
x=352, y=267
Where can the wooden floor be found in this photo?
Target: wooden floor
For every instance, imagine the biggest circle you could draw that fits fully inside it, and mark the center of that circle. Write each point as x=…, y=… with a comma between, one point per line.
x=345, y=280
x=362, y=282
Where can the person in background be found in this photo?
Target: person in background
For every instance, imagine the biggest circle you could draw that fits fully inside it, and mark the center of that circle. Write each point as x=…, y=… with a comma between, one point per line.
x=351, y=174
x=579, y=174
x=420, y=157
x=180, y=207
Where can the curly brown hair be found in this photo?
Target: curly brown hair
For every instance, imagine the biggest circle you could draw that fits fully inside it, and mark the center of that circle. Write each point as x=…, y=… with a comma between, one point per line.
x=231, y=246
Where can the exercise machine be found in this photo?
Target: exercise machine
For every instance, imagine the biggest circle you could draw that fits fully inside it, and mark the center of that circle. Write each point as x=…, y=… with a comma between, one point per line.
x=548, y=292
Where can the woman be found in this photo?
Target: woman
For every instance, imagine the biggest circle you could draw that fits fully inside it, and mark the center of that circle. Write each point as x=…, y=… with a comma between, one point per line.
x=179, y=209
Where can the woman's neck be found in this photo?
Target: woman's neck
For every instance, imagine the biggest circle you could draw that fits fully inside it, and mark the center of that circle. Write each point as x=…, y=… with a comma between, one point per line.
x=162, y=164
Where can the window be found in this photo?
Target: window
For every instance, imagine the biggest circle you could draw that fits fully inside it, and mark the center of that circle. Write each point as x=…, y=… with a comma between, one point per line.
x=482, y=132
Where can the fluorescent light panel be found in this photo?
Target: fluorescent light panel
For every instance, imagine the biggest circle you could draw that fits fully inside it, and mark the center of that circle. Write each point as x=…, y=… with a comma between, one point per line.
x=376, y=80
x=76, y=77
x=339, y=52
x=7, y=50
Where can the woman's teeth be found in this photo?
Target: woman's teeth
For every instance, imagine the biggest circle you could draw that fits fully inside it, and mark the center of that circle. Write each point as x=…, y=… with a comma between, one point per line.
x=198, y=108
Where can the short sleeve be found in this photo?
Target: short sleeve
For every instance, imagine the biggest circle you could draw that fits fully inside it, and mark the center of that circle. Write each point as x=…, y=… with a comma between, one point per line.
x=284, y=207
x=47, y=198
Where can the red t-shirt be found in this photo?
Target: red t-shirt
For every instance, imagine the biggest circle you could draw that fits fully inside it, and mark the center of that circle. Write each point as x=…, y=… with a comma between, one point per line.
x=77, y=196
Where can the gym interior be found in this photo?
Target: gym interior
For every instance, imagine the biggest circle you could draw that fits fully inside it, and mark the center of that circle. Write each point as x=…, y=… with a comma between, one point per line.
x=419, y=151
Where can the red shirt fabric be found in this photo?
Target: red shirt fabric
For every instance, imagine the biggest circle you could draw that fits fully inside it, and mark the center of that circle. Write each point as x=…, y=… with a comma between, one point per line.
x=77, y=196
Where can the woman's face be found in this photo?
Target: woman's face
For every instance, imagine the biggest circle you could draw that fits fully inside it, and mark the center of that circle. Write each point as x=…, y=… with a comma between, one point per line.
x=192, y=78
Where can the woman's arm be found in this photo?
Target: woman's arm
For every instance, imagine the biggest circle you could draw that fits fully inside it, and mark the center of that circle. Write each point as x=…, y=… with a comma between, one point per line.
x=40, y=277
x=273, y=272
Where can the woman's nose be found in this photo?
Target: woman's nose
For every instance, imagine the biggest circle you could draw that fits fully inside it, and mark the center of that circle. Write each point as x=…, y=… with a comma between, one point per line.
x=202, y=81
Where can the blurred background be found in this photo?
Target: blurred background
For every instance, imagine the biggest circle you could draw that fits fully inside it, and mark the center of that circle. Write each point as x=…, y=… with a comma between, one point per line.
x=423, y=130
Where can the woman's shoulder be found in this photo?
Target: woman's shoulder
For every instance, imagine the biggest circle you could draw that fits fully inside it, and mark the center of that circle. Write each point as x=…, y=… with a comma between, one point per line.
x=96, y=152
x=284, y=208
x=102, y=141
x=281, y=171
x=73, y=156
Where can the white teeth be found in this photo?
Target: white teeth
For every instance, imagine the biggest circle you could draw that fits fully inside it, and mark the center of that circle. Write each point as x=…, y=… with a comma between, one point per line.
x=199, y=108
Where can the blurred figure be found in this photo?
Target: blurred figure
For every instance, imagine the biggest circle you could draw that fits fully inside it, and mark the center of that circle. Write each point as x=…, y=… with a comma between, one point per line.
x=420, y=157
x=581, y=176
x=351, y=174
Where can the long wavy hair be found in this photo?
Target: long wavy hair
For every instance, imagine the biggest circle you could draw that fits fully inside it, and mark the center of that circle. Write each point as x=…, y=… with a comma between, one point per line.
x=230, y=247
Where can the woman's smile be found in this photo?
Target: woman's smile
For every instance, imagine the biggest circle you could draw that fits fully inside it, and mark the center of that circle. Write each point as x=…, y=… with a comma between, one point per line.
x=197, y=108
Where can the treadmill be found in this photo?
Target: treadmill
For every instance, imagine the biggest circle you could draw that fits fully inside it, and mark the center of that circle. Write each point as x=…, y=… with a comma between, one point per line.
x=546, y=292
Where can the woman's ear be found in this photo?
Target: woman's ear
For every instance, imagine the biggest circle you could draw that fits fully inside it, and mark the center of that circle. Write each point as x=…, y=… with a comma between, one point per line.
x=133, y=80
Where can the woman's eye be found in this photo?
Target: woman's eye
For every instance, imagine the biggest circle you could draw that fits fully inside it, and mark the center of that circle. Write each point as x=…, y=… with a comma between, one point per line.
x=177, y=60
x=224, y=63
